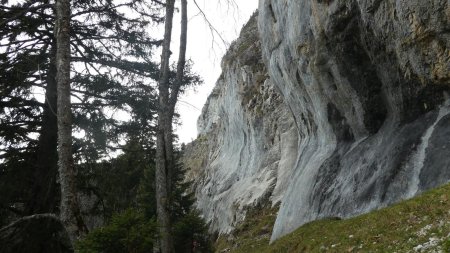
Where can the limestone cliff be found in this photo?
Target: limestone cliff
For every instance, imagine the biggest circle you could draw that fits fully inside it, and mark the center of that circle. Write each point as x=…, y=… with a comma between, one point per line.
x=346, y=111
x=247, y=136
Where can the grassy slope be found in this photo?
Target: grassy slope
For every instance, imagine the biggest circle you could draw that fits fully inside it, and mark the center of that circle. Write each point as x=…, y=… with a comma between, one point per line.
x=404, y=227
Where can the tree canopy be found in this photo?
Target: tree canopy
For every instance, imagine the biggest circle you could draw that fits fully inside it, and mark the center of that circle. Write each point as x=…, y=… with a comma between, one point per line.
x=113, y=88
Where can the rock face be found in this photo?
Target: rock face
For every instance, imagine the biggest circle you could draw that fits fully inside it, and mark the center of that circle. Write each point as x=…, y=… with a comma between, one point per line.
x=247, y=136
x=366, y=81
x=362, y=119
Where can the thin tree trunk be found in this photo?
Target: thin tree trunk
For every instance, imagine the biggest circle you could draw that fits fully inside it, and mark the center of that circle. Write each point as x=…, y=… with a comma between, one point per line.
x=181, y=58
x=162, y=195
x=174, y=95
x=69, y=210
x=45, y=193
x=165, y=162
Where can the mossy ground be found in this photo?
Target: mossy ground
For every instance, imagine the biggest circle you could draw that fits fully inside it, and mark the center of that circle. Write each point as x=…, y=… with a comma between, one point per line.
x=421, y=224
x=252, y=235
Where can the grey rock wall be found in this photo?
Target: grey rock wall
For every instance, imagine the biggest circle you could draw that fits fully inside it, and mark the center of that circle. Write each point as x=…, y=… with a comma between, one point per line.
x=247, y=136
x=367, y=82
x=341, y=107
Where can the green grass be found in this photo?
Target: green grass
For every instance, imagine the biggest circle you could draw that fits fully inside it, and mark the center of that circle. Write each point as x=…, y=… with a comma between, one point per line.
x=252, y=235
x=398, y=228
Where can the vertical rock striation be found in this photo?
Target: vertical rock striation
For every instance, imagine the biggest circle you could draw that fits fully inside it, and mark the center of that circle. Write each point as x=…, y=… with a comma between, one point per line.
x=341, y=107
x=366, y=81
x=246, y=138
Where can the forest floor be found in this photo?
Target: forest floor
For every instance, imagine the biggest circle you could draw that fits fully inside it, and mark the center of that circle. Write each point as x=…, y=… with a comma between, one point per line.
x=421, y=224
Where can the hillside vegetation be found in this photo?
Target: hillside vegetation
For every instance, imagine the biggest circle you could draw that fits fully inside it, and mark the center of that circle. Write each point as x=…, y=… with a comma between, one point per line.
x=421, y=224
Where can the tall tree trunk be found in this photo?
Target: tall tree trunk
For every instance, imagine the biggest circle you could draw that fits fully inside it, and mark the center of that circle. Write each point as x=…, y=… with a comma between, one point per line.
x=181, y=58
x=45, y=192
x=174, y=94
x=69, y=210
x=162, y=165
x=165, y=162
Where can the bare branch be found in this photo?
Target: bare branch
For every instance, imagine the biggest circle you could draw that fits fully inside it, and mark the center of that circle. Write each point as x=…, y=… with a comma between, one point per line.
x=31, y=217
x=210, y=25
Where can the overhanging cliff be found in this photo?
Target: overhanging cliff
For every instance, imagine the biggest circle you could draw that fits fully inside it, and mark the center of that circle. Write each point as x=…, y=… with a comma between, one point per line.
x=247, y=136
x=346, y=111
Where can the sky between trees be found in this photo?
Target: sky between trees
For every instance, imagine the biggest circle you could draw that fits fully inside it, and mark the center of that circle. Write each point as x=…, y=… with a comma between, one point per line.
x=228, y=20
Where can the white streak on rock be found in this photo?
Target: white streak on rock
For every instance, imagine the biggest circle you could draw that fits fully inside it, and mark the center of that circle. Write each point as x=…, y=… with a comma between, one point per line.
x=418, y=158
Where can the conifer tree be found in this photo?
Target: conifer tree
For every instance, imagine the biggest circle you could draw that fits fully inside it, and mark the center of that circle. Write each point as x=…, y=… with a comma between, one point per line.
x=112, y=69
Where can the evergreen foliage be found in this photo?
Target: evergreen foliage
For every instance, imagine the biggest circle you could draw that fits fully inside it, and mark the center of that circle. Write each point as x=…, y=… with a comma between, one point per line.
x=112, y=73
x=125, y=190
x=129, y=231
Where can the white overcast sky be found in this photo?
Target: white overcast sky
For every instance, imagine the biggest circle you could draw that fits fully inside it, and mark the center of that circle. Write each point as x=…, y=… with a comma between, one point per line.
x=228, y=20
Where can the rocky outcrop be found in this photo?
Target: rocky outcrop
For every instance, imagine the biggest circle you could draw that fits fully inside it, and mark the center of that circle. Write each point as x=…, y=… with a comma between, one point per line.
x=247, y=136
x=347, y=111
x=367, y=83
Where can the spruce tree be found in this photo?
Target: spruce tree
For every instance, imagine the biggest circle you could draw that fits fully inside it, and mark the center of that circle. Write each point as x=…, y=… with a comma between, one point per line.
x=112, y=66
x=111, y=69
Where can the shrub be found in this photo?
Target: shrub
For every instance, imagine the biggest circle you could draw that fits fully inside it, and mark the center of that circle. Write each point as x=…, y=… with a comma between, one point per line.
x=128, y=231
x=191, y=234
